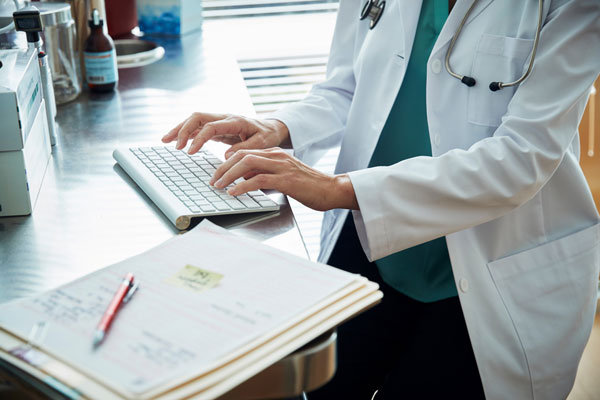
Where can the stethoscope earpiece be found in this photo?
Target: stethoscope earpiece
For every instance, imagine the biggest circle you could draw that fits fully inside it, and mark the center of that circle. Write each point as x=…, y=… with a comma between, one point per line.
x=372, y=9
x=467, y=80
x=495, y=86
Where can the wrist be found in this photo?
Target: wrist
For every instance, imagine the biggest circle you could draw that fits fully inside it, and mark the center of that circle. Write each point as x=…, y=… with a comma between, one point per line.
x=281, y=132
x=344, y=192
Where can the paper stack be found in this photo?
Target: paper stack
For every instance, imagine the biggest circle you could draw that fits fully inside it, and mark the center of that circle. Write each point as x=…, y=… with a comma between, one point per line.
x=213, y=310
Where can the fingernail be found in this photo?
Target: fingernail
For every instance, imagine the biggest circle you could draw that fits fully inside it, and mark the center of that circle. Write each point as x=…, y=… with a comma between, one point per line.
x=219, y=183
x=232, y=191
x=228, y=154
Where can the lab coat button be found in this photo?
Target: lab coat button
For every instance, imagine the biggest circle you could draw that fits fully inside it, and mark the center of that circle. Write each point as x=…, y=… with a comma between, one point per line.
x=436, y=66
x=463, y=284
x=437, y=139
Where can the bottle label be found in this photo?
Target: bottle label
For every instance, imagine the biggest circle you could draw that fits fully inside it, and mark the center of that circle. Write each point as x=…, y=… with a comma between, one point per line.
x=101, y=68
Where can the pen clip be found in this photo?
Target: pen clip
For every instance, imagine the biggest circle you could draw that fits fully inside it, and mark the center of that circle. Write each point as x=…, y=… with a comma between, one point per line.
x=131, y=292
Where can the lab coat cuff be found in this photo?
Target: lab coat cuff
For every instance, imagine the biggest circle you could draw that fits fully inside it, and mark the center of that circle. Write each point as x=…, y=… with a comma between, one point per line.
x=369, y=220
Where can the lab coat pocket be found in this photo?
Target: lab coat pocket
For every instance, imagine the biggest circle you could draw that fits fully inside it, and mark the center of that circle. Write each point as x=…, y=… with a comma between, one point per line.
x=550, y=294
x=497, y=58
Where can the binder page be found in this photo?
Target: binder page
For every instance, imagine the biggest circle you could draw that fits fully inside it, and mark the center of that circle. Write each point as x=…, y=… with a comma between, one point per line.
x=201, y=295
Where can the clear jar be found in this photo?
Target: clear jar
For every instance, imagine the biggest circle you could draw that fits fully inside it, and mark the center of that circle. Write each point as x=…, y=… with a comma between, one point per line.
x=59, y=41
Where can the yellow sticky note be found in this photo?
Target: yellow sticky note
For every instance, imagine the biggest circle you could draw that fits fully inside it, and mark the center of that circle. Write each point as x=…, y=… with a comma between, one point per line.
x=195, y=279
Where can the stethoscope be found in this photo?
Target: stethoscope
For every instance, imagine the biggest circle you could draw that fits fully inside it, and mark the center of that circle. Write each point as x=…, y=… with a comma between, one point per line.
x=374, y=8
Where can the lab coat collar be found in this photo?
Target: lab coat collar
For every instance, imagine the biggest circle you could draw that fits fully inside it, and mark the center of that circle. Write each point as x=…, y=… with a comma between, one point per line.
x=453, y=21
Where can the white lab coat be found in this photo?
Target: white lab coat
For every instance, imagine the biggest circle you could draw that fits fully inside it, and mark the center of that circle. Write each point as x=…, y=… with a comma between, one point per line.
x=504, y=185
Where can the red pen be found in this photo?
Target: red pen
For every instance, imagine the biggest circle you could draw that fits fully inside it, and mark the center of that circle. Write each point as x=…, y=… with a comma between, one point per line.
x=126, y=289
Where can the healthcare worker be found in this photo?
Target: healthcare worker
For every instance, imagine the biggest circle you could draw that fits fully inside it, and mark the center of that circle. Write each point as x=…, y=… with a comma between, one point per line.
x=465, y=201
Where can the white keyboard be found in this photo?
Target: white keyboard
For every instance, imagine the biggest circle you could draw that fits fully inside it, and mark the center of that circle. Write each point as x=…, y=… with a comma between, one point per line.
x=178, y=184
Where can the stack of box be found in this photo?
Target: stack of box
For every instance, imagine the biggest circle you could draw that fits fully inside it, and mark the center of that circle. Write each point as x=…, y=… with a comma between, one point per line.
x=24, y=139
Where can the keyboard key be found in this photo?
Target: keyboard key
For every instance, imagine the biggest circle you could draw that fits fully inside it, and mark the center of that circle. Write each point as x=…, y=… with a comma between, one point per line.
x=208, y=208
x=236, y=205
x=190, y=192
x=266, y=203
x=219, y=191
x=249, y=203
x=220, y=205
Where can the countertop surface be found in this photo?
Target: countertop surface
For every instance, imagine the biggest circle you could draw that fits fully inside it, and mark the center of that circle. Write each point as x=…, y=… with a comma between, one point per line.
x=89, y=213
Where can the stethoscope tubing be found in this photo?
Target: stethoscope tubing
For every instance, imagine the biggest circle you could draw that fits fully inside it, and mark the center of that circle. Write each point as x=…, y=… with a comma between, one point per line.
x=374, y=9
x=495, y=86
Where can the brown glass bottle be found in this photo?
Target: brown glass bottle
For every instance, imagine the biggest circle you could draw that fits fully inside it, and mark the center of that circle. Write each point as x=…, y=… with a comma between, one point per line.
x=100, y=57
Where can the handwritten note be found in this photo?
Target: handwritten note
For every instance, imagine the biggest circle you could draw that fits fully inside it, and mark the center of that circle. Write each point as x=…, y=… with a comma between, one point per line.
x=195, y=279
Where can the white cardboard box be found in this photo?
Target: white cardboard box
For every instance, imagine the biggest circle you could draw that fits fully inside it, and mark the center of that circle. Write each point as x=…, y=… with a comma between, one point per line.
x=20, y=96
x=24, y=140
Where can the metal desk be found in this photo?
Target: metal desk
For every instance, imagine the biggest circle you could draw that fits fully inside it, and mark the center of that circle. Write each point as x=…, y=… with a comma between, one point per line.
x=89, y=213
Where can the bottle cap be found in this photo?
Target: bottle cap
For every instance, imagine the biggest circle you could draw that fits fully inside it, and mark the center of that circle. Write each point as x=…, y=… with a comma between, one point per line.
x=95, y=21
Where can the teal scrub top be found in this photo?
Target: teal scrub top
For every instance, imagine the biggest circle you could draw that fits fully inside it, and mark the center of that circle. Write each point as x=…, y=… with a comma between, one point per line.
x=422, y=272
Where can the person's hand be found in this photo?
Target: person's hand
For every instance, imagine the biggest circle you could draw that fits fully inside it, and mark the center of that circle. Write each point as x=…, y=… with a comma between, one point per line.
x=275, y=169
x=240, y=132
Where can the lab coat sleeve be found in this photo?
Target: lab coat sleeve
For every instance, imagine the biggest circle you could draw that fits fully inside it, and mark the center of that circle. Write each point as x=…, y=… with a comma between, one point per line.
x=318, y=121
x=423, y=198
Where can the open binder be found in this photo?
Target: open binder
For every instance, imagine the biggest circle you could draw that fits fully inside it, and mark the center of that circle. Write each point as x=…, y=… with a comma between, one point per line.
x=180, y=338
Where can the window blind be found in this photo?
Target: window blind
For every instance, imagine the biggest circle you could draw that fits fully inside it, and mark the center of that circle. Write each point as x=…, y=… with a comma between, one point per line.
x=250, y=8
